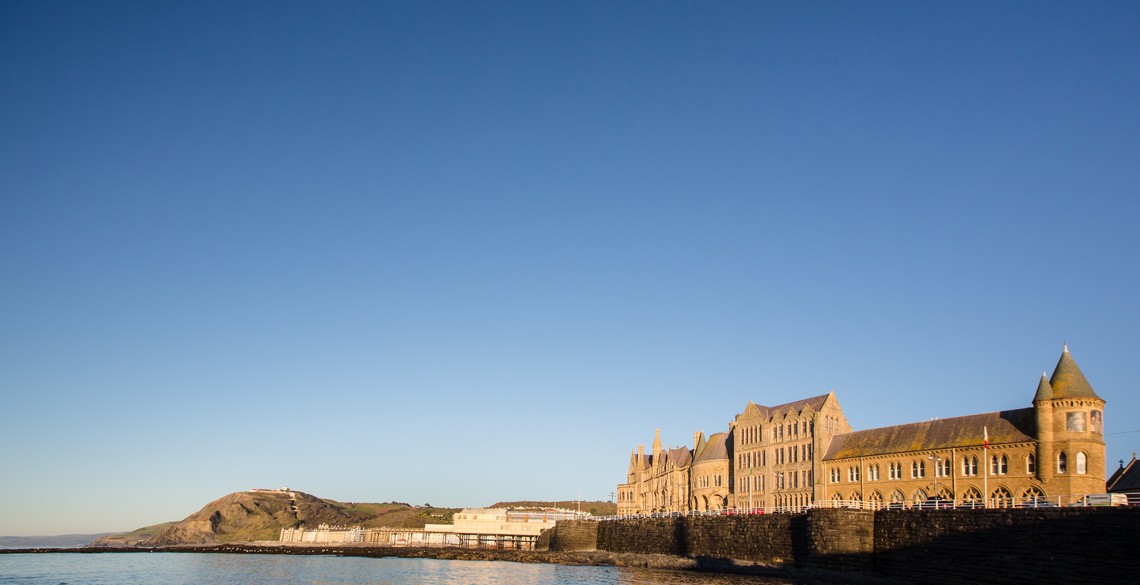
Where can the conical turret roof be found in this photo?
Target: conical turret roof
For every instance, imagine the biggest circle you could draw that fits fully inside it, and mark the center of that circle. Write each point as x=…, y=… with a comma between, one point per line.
x=1068, y=381
x=1044, y=389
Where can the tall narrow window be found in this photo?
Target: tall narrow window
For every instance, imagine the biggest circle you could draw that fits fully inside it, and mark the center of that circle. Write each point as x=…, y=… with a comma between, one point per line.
x=1082, y=463
x=1062, y=463
x=1031, y=463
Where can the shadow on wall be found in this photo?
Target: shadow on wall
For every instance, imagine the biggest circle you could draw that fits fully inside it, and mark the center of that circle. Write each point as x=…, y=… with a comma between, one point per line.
x=1007, y=546
x=1062, y=545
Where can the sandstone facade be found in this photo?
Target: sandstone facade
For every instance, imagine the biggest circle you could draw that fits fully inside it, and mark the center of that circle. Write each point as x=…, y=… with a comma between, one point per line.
x=799, y=454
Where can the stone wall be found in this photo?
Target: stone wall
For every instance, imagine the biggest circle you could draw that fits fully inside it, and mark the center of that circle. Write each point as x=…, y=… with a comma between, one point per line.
x=1031, y=546
x=570, y=535
x=842, y=540
x=833, y=539
x=1050, y=545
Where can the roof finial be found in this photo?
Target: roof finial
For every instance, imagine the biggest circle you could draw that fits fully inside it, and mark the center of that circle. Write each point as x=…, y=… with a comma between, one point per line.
x=1066, y=346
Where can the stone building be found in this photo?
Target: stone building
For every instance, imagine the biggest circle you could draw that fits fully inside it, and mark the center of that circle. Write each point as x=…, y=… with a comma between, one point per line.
x=795, y=455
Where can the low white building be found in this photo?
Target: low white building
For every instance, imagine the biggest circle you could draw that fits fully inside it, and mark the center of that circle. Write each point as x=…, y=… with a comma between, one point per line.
x=473, y=528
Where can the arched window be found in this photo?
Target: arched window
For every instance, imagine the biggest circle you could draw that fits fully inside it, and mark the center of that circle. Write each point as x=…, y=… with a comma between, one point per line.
x=920, y=496
x=971, y=496
x=1062, y=463
x=1082, y=463
x=965, y=466
x=1033, y=496
x=999, y=466
x=973, y=466
x=1031, y=463
x=1002, y=498
x=897, y=497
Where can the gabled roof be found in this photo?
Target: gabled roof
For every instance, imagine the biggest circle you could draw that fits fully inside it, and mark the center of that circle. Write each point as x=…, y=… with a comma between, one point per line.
x=1010, y=426
x=646, y=461
x=680, y=457
x=1068, y=381
x=715, y=449
x=1125, y=479
x=815, y=403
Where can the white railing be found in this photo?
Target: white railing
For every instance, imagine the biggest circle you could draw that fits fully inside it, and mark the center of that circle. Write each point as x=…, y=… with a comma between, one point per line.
x=1078, y=500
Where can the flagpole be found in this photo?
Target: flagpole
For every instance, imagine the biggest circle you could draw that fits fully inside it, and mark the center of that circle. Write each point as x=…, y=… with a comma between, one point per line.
x=985, y=467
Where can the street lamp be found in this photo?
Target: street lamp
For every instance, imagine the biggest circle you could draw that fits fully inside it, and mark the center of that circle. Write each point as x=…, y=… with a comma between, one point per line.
x=937, y=469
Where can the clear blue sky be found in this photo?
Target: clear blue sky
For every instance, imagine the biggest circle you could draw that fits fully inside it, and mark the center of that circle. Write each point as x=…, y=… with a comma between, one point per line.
x=467, y=252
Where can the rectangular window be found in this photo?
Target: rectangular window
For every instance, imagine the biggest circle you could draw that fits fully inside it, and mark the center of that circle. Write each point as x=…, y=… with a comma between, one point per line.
x=1075, y=422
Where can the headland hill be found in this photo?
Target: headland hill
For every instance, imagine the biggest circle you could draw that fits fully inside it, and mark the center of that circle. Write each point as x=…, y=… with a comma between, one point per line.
x=259, y=515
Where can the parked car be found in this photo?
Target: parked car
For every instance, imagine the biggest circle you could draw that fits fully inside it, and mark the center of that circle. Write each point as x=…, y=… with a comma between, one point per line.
x=1102, y=500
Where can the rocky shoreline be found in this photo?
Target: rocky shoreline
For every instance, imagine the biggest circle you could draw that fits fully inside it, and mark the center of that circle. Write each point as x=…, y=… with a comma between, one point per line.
x=775, y=575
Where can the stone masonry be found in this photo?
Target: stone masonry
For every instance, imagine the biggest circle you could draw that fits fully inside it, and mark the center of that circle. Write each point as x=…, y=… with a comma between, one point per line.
x=998, y=546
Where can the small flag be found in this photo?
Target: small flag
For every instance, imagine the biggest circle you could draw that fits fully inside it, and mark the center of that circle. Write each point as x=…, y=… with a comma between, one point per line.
x=985, y=437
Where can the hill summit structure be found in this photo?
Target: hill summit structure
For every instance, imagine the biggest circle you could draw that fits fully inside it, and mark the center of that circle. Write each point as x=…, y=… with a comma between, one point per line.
x=795, y=455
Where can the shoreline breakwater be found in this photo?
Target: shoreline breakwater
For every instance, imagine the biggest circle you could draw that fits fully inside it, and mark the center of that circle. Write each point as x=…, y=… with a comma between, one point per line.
x=776, y=574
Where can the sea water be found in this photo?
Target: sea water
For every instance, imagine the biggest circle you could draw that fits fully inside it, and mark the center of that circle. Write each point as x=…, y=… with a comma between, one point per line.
x=255, y=569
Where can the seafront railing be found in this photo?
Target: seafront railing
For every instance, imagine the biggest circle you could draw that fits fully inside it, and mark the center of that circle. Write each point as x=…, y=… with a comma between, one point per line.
x=1069, y=500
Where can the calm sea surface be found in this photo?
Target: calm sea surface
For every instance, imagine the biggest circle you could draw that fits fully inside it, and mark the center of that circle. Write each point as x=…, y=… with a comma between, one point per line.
x=234, y=569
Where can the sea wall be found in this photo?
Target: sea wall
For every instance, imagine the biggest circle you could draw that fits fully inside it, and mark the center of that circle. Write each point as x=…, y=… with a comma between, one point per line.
x=1030, y=546
x=833, y=539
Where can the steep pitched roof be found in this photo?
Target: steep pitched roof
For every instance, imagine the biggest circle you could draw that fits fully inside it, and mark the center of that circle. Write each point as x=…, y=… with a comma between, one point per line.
x=1010, y=426
x=1125, y=479
x=1068, y=381
x=680, y=457
x=815, y=402
x=1044, y=389
x=715, y=449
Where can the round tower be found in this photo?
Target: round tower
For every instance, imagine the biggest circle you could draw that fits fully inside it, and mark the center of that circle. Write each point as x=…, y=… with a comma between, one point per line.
x=1043, y=409
x=1071, y=448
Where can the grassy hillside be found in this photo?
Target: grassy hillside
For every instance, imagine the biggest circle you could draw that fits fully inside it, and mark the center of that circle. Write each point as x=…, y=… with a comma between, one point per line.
x=249, y=516
x=132, y=538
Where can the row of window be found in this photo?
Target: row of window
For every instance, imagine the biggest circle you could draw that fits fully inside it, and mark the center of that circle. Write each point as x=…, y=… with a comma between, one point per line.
x=790, y=431
x=780, y=455
x=780, y=480
x=705, y=481
x=1001, y=495
x=999, y=465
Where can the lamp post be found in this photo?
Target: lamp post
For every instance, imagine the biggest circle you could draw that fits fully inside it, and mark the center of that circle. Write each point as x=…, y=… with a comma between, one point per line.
x=937, y=469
